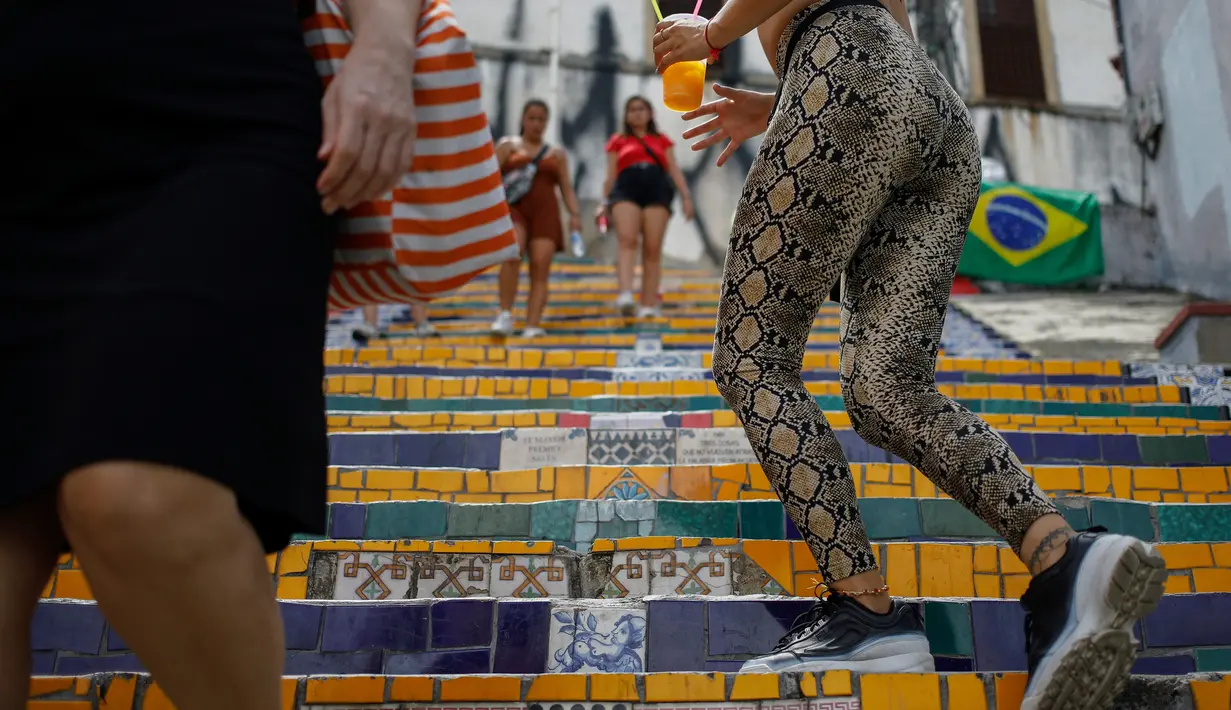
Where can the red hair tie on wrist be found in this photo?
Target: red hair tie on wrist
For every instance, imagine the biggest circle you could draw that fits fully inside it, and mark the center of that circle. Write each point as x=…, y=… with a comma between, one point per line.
x=714, y=51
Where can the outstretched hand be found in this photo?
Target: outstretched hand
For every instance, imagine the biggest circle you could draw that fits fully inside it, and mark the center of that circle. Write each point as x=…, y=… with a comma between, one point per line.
x=737, y=116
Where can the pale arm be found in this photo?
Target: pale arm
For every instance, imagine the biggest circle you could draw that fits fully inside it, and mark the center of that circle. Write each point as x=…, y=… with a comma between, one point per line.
x=609, y=181
x=567, y=192
x=897, y=8
x=677, y=177
x=393, y=21
x=739, y=17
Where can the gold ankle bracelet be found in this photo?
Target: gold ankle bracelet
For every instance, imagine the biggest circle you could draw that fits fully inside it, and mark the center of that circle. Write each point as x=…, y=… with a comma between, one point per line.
x=883, y=589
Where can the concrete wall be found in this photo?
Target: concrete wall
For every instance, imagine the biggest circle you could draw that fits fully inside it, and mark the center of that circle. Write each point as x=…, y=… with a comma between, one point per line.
x=1180, y=47
x=1083, y=39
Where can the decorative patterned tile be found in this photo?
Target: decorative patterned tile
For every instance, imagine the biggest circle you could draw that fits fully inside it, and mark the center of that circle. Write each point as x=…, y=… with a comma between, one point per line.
x=373, y=576
x=529, y=577
x=627, y=486
x=597, y=640
x=633, y=448
x=712, y=447
x=698, y=570
x=453, y=576
x=534, y=448
x=676, y=359
x=659, y=375
x=629, y=576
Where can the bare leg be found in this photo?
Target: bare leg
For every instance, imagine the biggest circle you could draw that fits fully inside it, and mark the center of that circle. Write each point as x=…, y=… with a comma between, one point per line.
x=371, y=316
x=627, y=219
x=30, y=542
x=653, y=228
x=541, y=253
x=418, y=311
x=510, y=273
x=182, y=576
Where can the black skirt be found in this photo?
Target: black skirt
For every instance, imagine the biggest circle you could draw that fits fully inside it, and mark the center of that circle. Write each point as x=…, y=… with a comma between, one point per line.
x=163, y=257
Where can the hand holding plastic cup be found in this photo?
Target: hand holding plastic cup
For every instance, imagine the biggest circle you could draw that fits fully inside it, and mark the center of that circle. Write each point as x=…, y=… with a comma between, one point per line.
x=684, y=82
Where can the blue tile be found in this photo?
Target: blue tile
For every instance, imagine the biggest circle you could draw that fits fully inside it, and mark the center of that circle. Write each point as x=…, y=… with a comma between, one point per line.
x=1066, y=447
x=482, y=451
x=355, y=449
x=1220, y=449
x=1189, y=620
x=792, y=532
x=313, y=663
x=303, y=625
x=114, y=642
x=1021, y=443
x=67, y=626
x=43, y=663
x=1000, y=639
x=722, y=666
x=682, y=649
x=672, y=420
x=87, y=665
x=362, y=627
x=1120, y=449
x=462, y=622
x=440, y=663
x=948, y=664
x=522, y=633
x=1164, y=665
x=750, y=627
x=346, y=521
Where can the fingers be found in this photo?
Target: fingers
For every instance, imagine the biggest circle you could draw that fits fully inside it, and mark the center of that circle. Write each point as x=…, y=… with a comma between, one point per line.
x=728, y=152
x=388, y=173
x=708, y=127
x=663, y=25
x=704, y=110
x=710, y=141
x=344, y=156
x=727, y=92
x=329, y=122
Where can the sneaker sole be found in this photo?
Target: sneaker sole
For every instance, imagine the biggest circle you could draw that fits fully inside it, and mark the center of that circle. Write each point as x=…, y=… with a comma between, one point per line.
x=891, y=655
x=628, y=310
x=1093, y=671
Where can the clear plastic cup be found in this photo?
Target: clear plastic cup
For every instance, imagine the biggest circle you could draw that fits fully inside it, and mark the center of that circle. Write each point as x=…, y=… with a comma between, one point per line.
x=684, y=82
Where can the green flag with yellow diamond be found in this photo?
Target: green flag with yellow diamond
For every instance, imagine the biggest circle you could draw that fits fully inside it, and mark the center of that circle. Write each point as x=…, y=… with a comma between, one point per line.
x=1033, y=235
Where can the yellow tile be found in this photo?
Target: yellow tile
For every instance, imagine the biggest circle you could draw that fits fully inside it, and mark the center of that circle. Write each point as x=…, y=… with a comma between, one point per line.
x=602, y=545
x=1010, y=564
x=1097, y=479
x=557, y=686
x=294, y=559
x=72, y=584
x=985, y=559
x=1203, y=479
x=967, y=692
x=1212, y=580
x=611, y=687
x=413, y=689
x=480, y=688
x=1222, y=554
x=807, y=685
x=1178, y=584
x=1147, y=496
x=462, y=547
x=351, y=479
x=877, y=472
x=346, y=689
x=946, y=571
x=378, y=545
x=891, y=691
x=1211, y=695
x=48, y=685
x=1174, y=497
x=836, y=684
x=515, y=481
x=900, y=572
x=987, y=586
x=755, y=686
x=1015, y=585
x=413, y=546
x=121, y=691
x=1058, y=478
x=522, y=547
x=476, y=481
x=661, y=542
x=774, y=557
x=1186, y=555
x=735, y=473
x=685, y=687
x=341, y=496
x=1010, y=688
x=389, y=479
x=292, y=587
x=881, y=490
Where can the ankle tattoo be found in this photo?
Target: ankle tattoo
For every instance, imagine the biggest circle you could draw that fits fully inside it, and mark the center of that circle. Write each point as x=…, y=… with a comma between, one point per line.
x=1055, y=540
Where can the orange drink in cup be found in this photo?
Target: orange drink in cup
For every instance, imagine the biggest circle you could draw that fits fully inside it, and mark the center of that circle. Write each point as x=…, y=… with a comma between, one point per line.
x=684, y=82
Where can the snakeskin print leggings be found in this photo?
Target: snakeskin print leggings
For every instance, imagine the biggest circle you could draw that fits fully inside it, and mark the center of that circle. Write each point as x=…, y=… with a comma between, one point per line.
x=870, y=170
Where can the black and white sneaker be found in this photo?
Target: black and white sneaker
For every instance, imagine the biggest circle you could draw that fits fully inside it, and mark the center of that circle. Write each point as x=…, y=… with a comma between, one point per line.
x=1079, y=620
x=840, y=633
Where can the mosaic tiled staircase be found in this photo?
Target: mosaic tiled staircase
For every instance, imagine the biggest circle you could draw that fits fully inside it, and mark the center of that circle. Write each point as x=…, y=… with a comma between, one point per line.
x=577, y=522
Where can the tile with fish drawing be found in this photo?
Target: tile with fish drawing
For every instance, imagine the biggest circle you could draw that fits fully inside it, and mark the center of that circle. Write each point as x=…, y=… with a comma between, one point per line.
x=597, y=640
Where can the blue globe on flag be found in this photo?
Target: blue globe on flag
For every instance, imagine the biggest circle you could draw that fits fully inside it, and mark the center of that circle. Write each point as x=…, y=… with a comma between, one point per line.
x=1016, y=222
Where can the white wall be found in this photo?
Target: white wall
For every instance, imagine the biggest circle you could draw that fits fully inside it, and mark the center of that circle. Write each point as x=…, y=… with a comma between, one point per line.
x=1084, y=40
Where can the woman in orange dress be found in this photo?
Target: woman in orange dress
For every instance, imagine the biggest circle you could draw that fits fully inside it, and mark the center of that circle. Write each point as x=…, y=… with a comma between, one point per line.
x=536, y=215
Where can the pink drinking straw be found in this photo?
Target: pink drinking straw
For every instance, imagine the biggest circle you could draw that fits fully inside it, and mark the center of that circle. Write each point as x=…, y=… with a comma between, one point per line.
x=697, y=10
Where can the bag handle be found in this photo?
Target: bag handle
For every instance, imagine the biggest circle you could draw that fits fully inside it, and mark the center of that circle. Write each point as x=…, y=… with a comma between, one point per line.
x=542, y=154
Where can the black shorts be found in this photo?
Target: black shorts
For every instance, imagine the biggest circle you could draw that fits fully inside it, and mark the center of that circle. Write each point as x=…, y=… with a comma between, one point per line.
x=645, y=185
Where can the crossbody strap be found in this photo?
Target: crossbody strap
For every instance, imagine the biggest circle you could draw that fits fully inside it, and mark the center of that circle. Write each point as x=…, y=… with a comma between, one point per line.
x=653, y=156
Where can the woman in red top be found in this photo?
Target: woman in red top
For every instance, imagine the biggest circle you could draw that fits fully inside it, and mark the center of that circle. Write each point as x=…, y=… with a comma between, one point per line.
x=536, y=216
x=642, y=177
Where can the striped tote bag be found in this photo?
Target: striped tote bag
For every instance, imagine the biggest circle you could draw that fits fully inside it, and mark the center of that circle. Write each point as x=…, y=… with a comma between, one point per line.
x=448, y=220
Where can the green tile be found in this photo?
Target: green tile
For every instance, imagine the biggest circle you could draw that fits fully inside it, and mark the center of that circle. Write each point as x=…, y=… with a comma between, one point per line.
x=679, y=518
x=1172, y=450
x=1193, y=522
x=553, y=520
x=1213, y=659
x=1011, y=406
x=1205, y=412
x=947, y=518
x=307, y=537
x=889, y=518
x=502, y=521
x=978, y=406
x=417, y=520
x=1123, y=517
x=1162, y=410
x=617, y=529
x=1075, y=512
x=1088, y=409
x=948, y=628
x=762, y=520
x=830, y=402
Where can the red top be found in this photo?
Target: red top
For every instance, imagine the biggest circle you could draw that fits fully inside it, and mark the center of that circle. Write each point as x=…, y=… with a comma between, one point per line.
x=631, y=152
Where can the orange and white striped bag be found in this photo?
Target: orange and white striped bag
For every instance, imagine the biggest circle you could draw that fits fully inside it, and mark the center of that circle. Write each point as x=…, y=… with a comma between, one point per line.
x=448, y=220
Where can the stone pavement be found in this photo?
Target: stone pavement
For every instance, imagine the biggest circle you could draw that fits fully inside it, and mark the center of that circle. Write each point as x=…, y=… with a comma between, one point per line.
x=578, y=521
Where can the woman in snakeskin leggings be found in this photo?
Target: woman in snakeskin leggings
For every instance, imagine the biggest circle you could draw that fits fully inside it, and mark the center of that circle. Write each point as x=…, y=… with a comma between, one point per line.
x=869, y=172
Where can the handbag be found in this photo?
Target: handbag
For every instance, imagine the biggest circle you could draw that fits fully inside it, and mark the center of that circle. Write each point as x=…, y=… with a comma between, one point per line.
x=517, y=183
x=654, y=156
x=447, y=221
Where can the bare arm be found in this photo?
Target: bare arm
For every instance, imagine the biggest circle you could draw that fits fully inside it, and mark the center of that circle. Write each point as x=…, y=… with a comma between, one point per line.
x=897, y=8
x=739, y=17
x=394, y=21
x=566, y=188
x=609, y=183
x=504, y=149
x=677, y=177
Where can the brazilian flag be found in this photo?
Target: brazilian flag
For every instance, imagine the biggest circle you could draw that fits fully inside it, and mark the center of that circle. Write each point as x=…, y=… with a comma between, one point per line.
x=1033, y=235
